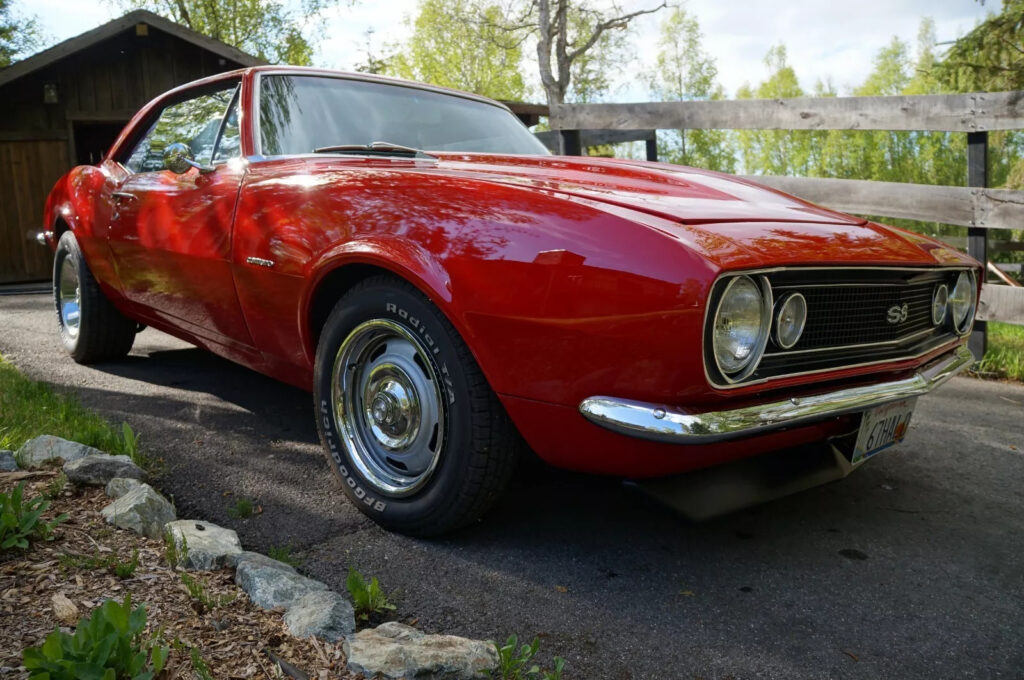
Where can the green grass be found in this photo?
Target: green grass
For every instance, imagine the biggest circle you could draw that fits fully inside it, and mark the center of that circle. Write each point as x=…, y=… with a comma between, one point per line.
x=1005, y=355
x=283, y=553
x=242, y=508
x=29, y=408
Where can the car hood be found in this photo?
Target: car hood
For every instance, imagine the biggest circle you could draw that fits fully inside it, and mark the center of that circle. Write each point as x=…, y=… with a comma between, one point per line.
x=731, y=220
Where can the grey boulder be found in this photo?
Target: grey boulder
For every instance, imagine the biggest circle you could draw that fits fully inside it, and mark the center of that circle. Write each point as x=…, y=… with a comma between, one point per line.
x=321, y=613
x=44, y=448
x=394, y=650
x=271, y=585
x=247, y=556
x=141, y=510
x=99, y=468
x=119, y=486
x=7, y=461
x=204, y=546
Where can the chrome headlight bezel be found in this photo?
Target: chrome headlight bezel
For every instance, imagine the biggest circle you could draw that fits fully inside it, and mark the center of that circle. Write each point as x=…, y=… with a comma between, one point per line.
x=749, y=365
x=777, y=336
x=967, y=305
x=940, y=310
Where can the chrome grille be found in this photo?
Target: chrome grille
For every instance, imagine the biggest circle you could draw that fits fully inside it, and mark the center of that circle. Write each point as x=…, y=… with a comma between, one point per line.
x=848, y=318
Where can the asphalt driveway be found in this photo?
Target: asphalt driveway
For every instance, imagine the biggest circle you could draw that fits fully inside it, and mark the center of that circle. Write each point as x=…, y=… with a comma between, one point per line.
x=913, y=567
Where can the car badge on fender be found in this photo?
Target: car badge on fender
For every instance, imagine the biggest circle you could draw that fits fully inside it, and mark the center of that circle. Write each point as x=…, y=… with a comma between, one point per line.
x=898, y=314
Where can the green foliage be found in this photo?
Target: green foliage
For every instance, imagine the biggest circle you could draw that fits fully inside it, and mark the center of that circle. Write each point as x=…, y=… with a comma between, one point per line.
x=445, y=49
x=109, y=645
x=19, y=35
x=55, y=487
x=283, y=553
x=20, y=520
x=989, y=58
x=198, y=592
x=281, y=33
x=367, y=598
x=174, y=553
x=29, y=408
x=202, y=670
x=109, y=562
x=242, y=508
x=516, y=663
x=1005, y=355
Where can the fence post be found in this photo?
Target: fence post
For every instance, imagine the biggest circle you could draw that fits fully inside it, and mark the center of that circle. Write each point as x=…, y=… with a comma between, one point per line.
x=571, y=145
x=977, y=237
x=652, y=146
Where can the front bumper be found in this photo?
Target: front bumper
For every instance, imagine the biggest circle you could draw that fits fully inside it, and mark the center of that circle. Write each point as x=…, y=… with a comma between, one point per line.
x=673, y=425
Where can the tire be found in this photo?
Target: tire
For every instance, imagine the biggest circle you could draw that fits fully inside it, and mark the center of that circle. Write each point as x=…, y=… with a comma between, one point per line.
x=91, y=329
x=408, y=422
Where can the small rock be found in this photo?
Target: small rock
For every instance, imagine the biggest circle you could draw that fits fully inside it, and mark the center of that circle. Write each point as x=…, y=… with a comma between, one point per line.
x=208, y=545
x=247, y=556
x=141, y=510
x=7, y=461
x=98, y=469
x=395, y=650
x=64, y=610
x=269, y=586
x=119, y=486
x=323, y=614
x=36, y=452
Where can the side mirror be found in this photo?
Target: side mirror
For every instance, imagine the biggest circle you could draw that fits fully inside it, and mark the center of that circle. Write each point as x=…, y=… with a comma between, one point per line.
x=178, y=159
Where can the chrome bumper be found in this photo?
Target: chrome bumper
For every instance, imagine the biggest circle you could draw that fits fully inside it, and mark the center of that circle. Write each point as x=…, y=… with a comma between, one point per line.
x=673, y=425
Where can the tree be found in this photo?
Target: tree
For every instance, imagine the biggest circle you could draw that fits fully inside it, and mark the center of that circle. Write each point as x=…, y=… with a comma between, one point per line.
x=19, y=35
x=990, y=58
x=446, y=51
x=684, y=71
x=268, y=29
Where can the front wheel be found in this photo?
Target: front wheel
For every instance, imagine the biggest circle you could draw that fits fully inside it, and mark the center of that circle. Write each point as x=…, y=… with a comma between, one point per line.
x=91, y=329
x=409, y=424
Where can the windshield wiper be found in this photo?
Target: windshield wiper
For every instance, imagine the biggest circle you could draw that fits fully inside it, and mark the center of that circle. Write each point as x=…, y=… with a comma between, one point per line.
x=376, y=149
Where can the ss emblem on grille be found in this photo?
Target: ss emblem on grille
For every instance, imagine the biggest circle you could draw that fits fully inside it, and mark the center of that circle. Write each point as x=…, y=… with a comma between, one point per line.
x=898, y=313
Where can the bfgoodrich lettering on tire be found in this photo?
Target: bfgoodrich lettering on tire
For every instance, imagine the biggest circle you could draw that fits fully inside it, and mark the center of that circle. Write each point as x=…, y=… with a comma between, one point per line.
x=91, y=329
x=417, y=438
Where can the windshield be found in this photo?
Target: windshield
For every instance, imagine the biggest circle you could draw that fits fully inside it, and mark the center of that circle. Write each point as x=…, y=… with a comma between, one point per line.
x=301, y=113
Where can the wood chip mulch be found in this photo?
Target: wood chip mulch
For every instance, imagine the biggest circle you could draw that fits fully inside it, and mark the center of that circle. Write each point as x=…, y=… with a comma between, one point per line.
x=236, y=638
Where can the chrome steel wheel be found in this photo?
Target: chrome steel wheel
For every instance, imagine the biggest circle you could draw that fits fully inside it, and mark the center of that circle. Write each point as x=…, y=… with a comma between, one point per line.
x=70, y=298
x=388, y=406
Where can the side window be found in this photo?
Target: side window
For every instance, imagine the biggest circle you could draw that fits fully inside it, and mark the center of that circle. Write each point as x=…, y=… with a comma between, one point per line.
x=230, y=143
x=194, y=122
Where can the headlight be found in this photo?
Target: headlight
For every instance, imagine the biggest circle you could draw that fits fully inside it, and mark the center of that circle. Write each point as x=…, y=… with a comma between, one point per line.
x=740, y=329
x=790, y=320
x=940, y=299
x=961, y=302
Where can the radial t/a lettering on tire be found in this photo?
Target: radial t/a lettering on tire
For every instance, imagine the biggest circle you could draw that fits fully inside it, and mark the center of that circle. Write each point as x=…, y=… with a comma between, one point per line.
x=416, y=436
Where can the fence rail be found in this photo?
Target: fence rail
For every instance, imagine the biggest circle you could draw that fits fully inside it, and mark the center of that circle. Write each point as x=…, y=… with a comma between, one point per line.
x=974, y=206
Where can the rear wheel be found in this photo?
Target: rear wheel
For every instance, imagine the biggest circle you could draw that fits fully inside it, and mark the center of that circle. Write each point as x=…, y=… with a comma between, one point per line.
x=409, y=424
x=91, y=328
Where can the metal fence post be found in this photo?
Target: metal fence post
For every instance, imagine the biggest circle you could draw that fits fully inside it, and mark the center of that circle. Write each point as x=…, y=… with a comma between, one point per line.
x=977, y=237
x=571, y=145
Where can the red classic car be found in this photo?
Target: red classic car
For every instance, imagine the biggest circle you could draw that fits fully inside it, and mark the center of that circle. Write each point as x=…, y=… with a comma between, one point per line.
x=447, y=289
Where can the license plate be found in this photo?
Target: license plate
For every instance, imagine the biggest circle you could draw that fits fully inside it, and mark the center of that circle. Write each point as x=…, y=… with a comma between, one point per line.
x=881, y=427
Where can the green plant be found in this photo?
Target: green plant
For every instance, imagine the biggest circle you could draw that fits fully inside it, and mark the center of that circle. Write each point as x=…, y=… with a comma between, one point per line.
x=111, y=562
x=56, y=487
x=200, y=667
x=109, y=645
x=1004, y=357
x=197, y=591
x=514, y=662
x=283, y=553
x=124, y=570
x=174, y=553
x=242, y=509
x=20, y=520
x=367, y=598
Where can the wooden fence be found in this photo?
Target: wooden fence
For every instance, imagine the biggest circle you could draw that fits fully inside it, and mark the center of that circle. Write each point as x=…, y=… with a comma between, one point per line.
x=974, y=206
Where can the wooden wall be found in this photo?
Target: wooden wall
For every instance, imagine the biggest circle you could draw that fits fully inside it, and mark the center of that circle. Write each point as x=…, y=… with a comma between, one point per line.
x=108, y=81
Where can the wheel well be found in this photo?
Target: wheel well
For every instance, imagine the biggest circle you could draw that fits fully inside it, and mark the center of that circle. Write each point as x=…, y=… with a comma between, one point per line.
x=59, y=227
x=328, y=291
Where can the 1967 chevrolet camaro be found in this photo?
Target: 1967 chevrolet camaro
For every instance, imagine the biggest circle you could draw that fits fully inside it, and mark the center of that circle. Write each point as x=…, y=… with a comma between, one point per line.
x=447, y=289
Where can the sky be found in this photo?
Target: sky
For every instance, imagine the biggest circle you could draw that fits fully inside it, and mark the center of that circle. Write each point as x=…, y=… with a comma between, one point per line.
x=834, y=39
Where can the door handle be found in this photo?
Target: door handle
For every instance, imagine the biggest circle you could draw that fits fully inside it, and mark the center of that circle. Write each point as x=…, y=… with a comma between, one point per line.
x=125, y=195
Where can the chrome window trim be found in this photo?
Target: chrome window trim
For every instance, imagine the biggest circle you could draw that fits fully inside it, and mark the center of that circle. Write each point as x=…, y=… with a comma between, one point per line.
x=769, y=270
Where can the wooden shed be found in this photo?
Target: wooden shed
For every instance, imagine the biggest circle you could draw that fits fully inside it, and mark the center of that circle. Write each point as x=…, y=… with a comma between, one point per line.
x=65, y=106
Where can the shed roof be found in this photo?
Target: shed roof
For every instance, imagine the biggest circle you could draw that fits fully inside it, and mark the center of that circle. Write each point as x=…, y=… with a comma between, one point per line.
x=112, y=28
